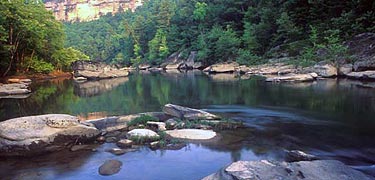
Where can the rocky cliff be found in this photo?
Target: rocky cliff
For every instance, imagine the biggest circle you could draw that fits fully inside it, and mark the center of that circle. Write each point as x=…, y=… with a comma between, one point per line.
x=87, y=10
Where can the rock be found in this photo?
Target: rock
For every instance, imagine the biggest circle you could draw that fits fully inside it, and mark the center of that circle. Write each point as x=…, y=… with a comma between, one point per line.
x=271, y=68
x=362, y=48
x=14, y=80
x=80, y=79
x=101, y=139
x=160, y=126
x=154, y=145
x=110, y=139
x=291, y=78
x=190, y=62
x=144, y=66
x=110, y=167
x=9, y=90
x=363, y=75
x=227, y=67
x=345, y=69
x=309, y=170
x=191, y=134
x=295, y=156
x=170, y=124
x=174, y=61
x=124, y=143
x=326, y=70
x=97, y=70
x=155, y=69
x=44, y=133
x=187, y=113
x=143, y=133
x=118, y=151
x=91, y=147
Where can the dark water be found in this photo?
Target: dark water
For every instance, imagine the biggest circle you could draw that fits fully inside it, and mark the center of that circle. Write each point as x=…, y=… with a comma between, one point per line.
x=334, y=119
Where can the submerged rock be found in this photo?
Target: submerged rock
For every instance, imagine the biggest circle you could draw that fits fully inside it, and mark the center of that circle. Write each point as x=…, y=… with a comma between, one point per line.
x=187, y=113
x=110, y=167
x=309, y=170
x=124, y=143
x=118, y=151
x=44, y=133
x=192, y=134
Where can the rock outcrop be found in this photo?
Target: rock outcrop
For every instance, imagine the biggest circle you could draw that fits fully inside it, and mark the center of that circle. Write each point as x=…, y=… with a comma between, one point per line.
x=14, y=90
x=309, y=170
x=292, y=78
x=44, y=133
x=187, y=113
x=227, y=67
x=176, y=61
x=362, y=47
x=96, y=70
x=363, y=75
x=78, y=10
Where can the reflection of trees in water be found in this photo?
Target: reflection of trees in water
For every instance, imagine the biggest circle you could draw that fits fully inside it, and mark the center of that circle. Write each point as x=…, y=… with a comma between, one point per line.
x=149, y=92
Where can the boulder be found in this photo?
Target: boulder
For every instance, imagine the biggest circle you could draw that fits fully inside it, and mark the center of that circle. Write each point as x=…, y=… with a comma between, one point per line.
x=110, y=167
x=227, y=67
x=191, y=134
x=325, y=70
x=271, y=68
x=144, y=66
x=174, y=61
x=363, y=75
x=118, y=151
x=97, y=70
x=143, y=133
x=296, y=155
x=124, y=143
x=292, y=78
x=160, y=126
x=170, y=124
x=187, y=113
x=44, y=133
x=345, y=69
x=309, y=170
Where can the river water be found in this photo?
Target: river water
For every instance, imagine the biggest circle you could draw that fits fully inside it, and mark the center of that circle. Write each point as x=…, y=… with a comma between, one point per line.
x=333, y=119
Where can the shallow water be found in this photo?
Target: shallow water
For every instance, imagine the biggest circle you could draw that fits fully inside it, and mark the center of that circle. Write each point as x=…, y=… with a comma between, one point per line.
x=334, y=119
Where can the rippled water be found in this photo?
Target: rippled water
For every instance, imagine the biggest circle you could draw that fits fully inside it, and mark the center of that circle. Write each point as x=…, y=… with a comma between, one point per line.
x=334, y=119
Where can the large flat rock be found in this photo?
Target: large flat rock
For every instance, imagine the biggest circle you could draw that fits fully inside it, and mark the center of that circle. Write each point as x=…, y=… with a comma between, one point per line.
x=187, y=113
x=192, y=134
x=307, y=170
x=44, y=133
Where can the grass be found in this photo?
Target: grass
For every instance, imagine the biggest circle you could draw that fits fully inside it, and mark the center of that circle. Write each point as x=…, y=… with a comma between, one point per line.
x=143, y=119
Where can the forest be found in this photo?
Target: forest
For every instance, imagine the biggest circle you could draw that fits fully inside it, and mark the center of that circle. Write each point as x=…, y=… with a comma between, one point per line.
x=244, y=31
x=219, y=30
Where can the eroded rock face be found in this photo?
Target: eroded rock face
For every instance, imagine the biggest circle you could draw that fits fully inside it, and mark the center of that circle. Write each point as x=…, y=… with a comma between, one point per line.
x=362, y=48
x=95, y=70
x=78, y=10
x=309, y=170
x=364, y=75
x=325, y=70
x=187, y=113
x=44, y=133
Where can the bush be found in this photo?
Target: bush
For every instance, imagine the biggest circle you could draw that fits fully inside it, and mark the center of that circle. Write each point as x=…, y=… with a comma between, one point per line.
x=40, y=66
x=245, y=57
x=143, y=119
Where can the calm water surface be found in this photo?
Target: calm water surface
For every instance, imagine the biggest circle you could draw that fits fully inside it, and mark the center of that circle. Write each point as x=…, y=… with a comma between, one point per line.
x=334, y=119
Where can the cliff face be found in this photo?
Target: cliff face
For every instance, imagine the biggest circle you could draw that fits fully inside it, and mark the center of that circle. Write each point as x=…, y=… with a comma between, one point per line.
x=87, y=10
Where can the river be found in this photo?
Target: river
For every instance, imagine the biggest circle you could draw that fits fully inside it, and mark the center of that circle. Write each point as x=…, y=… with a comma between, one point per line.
x=333, y=119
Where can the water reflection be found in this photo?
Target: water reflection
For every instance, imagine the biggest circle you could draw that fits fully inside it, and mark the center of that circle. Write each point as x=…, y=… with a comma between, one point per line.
x=94, y=88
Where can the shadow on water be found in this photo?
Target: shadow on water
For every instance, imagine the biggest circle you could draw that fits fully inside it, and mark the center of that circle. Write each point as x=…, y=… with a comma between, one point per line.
x=333, y=119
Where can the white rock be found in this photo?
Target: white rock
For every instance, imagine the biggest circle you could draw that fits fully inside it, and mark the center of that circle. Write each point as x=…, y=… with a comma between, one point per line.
x=142, y=133
x=192, y=134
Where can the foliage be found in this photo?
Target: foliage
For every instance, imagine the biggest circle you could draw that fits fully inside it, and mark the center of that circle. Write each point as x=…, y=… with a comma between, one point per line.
x=246, y=31
x=31, y=39
x=64, y=57
x=143, y=119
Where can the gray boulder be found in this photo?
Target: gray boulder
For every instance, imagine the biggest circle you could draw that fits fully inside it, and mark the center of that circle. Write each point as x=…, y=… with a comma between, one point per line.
x=362, y=48
x=226, y=67
x=292, y=78
x=44, y=133
x=364, y=75
x=307, y=170
x=14, y=89
x=187, y=113
x=145, y=134
x=325, y=70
